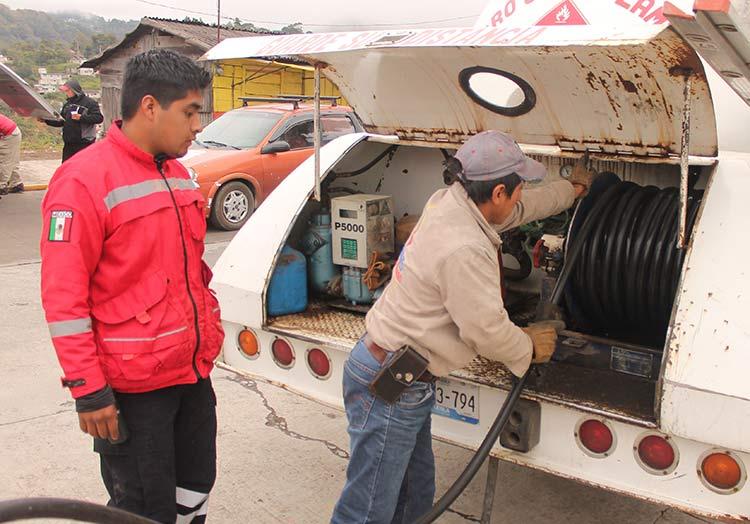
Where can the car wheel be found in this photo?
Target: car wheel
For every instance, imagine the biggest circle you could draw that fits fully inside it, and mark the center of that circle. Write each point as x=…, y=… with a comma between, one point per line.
x=232, y=205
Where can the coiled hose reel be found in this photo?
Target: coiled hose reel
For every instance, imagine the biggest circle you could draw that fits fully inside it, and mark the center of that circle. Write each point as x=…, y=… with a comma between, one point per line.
x=624, y=237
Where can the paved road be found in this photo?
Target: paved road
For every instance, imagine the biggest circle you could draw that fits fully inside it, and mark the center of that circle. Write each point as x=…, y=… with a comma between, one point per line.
x=282, y=458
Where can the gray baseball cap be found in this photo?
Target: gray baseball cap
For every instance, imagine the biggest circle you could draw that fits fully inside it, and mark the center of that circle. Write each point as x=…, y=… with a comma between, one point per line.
x=490, y=155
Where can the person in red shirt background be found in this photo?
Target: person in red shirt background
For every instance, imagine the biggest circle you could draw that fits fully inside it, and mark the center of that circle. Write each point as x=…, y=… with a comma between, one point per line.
x=125, y=291
x=10, y=157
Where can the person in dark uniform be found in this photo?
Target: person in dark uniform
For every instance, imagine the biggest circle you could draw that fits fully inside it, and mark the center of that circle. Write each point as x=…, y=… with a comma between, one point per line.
x=80, y=115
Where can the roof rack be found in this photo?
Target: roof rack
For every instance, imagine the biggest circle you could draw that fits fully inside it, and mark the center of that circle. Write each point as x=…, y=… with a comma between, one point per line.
x=288, y=99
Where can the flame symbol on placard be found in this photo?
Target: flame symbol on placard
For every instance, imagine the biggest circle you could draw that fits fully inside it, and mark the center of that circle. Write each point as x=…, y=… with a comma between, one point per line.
x=563, y=15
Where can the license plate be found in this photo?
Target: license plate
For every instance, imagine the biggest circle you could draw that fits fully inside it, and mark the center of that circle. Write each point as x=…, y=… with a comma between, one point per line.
x=457, y=400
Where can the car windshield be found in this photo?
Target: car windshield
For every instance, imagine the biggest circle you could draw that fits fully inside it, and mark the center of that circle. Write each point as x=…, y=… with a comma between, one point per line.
x=238, y=129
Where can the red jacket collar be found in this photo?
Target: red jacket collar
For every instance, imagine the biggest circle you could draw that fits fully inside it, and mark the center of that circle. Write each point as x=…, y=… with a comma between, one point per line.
x=117, y=137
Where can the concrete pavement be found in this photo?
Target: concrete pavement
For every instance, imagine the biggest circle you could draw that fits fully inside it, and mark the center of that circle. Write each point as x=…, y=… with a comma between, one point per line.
x=282, y=458
x=38, y=172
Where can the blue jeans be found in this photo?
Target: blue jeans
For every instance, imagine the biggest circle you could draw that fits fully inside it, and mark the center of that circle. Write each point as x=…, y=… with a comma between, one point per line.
x=391, y=473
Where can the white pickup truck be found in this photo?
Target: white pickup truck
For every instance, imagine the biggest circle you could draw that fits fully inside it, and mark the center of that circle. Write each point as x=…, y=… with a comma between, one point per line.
x=662, y=416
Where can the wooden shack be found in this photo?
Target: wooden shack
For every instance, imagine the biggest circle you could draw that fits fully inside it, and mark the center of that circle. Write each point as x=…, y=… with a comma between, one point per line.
x=232, y=79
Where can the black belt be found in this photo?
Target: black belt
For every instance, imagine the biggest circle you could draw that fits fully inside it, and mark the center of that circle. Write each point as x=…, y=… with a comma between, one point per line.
x=380, y=354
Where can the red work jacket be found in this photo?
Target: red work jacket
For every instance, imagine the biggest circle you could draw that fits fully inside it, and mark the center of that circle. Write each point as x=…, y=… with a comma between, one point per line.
x=124, y=287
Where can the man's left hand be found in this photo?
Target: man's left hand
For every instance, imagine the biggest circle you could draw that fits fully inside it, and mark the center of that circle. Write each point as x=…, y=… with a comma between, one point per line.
x=582, y=176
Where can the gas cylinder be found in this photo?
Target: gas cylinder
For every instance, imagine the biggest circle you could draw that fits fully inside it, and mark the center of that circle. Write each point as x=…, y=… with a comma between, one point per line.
x=287, y=292
x=355, y=290
x=316, y=244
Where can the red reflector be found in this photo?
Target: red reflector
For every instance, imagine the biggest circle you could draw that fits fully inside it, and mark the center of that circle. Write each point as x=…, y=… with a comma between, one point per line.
x=595, y=436
x=283, y=353
x=656, y=452
x=319, y=363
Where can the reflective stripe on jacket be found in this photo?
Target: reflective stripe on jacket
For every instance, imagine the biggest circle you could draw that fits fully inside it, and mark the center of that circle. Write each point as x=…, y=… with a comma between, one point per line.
x=124, y=286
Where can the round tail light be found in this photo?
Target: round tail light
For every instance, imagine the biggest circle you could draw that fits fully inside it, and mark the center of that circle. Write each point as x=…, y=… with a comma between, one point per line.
x=722, y=472
x=595, y=437
x=319, y=363
x=656, y=454
x=248, y=343
x=283, y=353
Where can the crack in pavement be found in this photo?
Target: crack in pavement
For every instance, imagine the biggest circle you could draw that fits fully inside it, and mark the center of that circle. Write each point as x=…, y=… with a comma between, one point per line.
x=661, y=516
x=696, y=517
x=20, y=263
x=21, y=421
x=274, y=420
x=465, y=516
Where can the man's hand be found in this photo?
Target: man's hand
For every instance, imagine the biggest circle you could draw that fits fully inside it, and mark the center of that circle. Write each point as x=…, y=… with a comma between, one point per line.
x=582, y=176
x=101, y=423
x=543, y=335
x=75, y=116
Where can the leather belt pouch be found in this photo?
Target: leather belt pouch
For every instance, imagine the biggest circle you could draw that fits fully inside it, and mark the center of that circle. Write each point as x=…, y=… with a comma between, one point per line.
x=398, y=373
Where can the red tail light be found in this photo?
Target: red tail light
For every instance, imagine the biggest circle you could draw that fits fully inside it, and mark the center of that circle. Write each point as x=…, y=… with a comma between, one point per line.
x=595, y=438
x=283, y=353
x=656, y=454
x=319, y=363
x=722, y=472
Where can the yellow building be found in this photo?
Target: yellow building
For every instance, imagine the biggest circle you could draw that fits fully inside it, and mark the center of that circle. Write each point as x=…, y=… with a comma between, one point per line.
x=244, y=78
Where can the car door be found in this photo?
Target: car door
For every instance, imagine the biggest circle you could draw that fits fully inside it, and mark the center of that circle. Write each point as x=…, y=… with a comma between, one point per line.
x=298, y=133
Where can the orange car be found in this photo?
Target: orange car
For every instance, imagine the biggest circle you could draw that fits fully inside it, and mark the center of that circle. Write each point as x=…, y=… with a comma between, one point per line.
x=240, y=157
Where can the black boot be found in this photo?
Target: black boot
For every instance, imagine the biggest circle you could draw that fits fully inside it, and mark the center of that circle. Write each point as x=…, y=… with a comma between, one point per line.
x=18, y=188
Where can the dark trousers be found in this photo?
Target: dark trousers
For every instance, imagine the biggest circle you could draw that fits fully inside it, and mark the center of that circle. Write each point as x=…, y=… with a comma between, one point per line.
x=167, y=467
x=70, y=149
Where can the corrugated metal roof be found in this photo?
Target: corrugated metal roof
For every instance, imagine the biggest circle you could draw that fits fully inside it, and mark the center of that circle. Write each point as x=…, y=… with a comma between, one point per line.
x=202, y=36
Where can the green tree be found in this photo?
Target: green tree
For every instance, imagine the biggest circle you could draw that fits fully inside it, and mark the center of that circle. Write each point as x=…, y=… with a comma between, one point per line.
x=99, y=42
x=292, y=29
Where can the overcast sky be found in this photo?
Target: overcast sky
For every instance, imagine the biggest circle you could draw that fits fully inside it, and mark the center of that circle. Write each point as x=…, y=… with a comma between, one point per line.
x=316, y=15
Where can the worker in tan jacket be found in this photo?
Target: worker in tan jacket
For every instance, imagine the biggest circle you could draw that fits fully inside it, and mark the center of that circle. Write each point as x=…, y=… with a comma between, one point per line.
x=442, y=308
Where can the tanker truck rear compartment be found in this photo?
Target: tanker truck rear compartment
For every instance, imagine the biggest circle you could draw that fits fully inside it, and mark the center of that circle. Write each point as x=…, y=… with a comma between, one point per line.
x=592, y=370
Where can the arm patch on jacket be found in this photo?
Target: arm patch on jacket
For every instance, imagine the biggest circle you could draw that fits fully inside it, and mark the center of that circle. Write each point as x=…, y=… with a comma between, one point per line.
x=60, y=224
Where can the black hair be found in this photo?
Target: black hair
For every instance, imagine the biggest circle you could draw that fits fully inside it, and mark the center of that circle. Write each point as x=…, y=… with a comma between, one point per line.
x=480, y=191
x=163, y=74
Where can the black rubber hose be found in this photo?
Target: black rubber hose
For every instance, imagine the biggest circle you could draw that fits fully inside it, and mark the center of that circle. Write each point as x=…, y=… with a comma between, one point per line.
x=388, y=150
x=77, y=510
x=622, y=265
x=479, y=457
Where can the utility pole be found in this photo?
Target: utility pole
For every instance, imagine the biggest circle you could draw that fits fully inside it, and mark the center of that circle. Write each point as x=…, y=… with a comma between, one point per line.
x=218, y=21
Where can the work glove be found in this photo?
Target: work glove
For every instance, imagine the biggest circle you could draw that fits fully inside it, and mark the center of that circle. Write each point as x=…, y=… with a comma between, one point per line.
x=582, y=175
x=543, y=336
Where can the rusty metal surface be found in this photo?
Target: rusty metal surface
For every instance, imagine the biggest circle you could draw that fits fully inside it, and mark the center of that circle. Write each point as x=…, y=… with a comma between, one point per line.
x=319, y=322
x=624, y=397
x=605, y=95
x=619, y=396
x=720, y=31
x=684, y=167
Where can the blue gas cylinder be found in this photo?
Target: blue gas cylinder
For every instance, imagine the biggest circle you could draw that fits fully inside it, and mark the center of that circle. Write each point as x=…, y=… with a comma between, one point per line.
x=355, y=290
x=287, y=292
x=316, y=244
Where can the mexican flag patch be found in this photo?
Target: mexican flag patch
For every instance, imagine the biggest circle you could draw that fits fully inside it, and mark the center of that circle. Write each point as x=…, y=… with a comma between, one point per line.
x=59, y=226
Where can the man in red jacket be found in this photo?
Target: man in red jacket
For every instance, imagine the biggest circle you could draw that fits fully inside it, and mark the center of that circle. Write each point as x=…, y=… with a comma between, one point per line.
x=125, y=290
